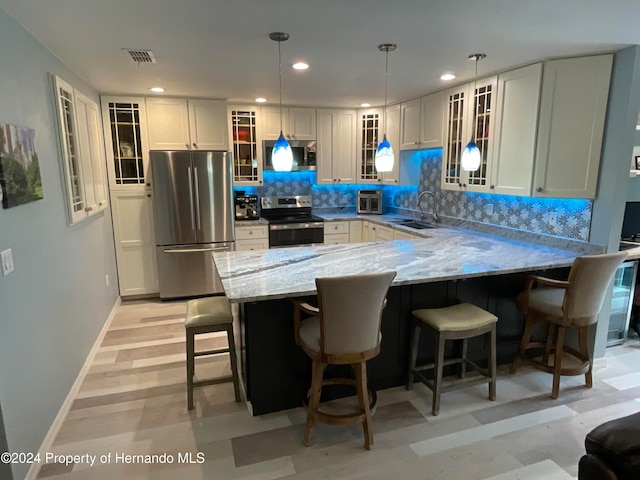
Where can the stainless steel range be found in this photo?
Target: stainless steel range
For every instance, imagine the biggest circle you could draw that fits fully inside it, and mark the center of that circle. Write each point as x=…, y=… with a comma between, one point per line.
x=291, y=222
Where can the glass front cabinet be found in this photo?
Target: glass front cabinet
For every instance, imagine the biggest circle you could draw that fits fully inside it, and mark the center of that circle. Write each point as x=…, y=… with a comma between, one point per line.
x=246, y=145
x=468, y=115
x=128, y=155
x=369, y=134
x=621, y=302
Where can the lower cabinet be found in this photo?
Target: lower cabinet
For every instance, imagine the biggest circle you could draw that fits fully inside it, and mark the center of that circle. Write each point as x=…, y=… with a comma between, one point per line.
x=252, y=237
x=383, y=233
x=336, y=232
x=400, y=235
x=133, y=231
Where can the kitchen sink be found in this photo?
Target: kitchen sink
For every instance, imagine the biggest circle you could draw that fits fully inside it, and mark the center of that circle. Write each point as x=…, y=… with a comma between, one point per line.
x=416, y=224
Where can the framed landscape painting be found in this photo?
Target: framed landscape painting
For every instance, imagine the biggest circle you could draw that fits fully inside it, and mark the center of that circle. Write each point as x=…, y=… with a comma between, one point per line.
x=19, y=168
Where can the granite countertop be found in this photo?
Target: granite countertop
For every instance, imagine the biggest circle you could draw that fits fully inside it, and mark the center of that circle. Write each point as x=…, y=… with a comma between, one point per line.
x=442, y=254
x=251, y=223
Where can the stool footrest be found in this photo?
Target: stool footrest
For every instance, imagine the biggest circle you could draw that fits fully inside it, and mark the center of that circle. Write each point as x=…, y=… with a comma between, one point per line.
x=213, y=381
x=216, y=351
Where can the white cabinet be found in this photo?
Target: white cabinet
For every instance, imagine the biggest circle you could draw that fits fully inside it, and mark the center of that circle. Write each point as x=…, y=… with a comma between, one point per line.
x=469, y=115
x=181, y=124
x=573, y=108
x=132, y=213
x=252, y=237
x=383, y=232
x=432, y=120
x=410, y=125
x=135, y=243
x=355, y=231
x=422, y=122
x=516, y=121
x=124, y=120
x=400, y=235
x=336, y=232
x=246, y=145
x=336, y=149
x=82, y=152
x=297, y=123
x=371, y=128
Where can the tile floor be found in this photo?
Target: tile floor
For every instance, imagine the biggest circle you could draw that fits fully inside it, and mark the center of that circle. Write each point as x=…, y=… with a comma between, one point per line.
x=133, y=403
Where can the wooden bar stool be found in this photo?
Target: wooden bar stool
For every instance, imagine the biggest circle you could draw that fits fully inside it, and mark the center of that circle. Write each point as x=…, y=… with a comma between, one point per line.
x=458, y=322
x=207, y=315
x=343, y=330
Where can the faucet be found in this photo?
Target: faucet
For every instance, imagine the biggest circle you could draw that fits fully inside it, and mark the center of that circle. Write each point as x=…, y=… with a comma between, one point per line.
x=433, y=213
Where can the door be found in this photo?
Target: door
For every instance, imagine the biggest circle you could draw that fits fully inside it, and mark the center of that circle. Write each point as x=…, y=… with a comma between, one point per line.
x=173, y=197
x=168, y=123
x=213, y=196
x=208, y=125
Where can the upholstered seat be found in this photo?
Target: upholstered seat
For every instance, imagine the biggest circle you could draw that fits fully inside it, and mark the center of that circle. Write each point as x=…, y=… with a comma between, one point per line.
x=343, y=330
x=207, y=315
x=457, y=322
x=574, y=303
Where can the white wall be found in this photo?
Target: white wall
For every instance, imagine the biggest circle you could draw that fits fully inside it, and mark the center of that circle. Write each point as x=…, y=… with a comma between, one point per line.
x=55, y=303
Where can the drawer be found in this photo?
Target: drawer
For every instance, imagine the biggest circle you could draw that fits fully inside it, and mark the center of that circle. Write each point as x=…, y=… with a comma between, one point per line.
x=255, y=244
x=247, y=233
x=331, y=228
x=335, y=238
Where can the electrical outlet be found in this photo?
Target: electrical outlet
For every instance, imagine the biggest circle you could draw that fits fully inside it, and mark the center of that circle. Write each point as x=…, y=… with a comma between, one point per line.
x=553, y=218
x=488, y=209
x=7, y=261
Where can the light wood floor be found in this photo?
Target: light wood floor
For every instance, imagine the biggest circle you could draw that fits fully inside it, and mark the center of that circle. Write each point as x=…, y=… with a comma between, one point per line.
x=133, y=403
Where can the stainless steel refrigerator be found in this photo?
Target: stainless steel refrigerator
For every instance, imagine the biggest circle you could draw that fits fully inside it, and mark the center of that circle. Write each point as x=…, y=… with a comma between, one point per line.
x=194, y=216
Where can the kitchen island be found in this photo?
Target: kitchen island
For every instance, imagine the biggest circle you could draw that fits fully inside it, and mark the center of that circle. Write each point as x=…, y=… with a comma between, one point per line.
x=443, y=267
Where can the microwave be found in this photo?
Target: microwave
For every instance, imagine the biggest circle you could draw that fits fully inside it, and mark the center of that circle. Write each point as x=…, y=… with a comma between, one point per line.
x=304, y=154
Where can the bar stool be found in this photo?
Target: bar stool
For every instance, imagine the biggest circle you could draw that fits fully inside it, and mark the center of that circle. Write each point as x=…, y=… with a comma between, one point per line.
x=208, y=315
x=457, y=322
x=343, y=330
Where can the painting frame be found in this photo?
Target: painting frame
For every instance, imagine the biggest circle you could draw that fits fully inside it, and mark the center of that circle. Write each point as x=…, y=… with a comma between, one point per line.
x=20, y=180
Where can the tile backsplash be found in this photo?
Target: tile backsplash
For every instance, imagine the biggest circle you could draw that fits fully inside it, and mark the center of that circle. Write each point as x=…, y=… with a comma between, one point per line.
x=573, y=216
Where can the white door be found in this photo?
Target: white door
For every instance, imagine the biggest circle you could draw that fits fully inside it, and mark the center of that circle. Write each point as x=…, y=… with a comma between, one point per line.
x=208, y=125
x=168, y=123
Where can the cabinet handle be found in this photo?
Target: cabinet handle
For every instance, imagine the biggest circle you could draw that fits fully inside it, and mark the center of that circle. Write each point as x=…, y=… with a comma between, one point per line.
x=539, y=189
x=148, y=184
x=88, y=209
x=149, y=195
x=195, y=145
x=416, y=143
x=186, y=145
x=492, y=187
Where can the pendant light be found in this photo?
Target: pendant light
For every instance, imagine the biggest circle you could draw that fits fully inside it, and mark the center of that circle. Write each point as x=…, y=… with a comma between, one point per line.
x=470, y=161
x=384, y=153
x=281, y=157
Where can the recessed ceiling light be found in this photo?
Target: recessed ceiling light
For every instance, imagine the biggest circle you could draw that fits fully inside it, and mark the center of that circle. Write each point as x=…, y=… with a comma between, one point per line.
x=365, y=105
x=261, y=100
x=157, y=89
x=447, y=76
x=300, y=66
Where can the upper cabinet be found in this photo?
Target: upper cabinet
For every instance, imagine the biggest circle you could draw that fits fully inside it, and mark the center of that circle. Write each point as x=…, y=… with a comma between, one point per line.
x=297, y=123
x=336, y=154
x=181, y=124
x=468, y=115
x=516, y=122
x=421, y=122
x=246, y=144
x=573, y=108
x=124, y=123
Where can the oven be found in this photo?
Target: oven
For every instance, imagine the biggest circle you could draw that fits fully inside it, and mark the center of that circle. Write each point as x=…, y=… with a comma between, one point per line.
x=291, y=222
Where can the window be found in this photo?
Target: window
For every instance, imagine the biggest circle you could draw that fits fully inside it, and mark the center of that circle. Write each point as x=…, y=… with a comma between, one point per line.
x=82, y=152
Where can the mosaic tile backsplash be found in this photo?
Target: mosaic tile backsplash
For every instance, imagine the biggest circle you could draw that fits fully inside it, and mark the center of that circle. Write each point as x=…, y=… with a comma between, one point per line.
x=523, y=213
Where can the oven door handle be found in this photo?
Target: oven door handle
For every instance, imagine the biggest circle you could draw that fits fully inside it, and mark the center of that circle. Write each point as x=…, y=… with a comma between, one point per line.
x=296, y=226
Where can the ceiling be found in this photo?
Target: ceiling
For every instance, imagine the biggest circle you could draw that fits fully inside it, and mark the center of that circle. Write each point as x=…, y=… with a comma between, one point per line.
x=221, y=49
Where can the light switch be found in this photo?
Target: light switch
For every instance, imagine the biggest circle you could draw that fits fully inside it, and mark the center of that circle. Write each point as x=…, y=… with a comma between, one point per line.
x=7, y=261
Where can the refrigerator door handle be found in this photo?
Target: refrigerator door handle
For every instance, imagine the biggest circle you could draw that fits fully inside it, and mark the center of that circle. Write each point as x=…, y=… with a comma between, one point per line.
x=195, y=182
x=193, y=222
x=196, y=250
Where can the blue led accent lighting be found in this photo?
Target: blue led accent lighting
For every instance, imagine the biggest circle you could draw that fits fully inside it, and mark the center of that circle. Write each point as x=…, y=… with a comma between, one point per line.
x=272, y=176
x=565, y=204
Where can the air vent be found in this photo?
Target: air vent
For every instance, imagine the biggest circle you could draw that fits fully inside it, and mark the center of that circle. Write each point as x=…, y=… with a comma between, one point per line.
x=140, y=56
